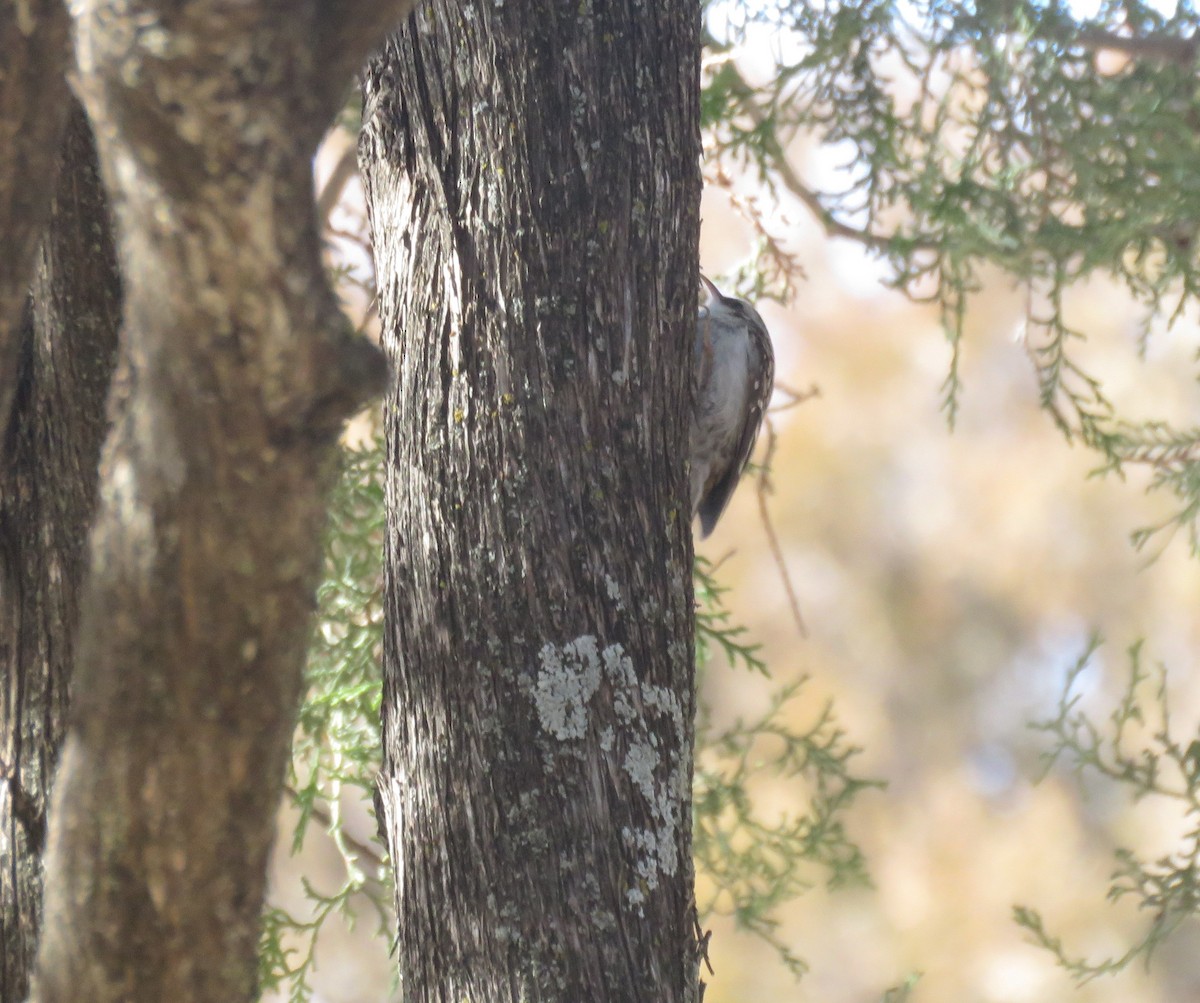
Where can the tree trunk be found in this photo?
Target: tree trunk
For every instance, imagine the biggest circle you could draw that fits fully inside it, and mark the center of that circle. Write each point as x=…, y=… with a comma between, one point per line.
x=208, y=536
x=33, y=107
x=532, y=175
x=47, y=496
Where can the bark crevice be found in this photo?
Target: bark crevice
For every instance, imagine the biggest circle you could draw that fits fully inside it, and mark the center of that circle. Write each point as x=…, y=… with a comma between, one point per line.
x=48, y=484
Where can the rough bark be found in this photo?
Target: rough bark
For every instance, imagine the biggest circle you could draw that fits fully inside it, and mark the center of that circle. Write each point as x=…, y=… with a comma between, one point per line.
x=33, y=106
x=47, y=496
x=532, y=176
x=207, y=539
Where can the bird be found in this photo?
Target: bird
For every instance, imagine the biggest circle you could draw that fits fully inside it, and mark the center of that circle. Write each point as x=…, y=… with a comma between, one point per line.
x=733, y=376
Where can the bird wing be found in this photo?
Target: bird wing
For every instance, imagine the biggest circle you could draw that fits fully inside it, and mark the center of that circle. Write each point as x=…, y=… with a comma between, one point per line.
x=717, y=496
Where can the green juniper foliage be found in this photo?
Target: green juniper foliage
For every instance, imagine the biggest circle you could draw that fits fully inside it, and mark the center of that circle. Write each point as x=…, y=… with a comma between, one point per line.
x=748, y=865
x=1010, y=135
x=1003, y=134
x=1136, y=749
x=336, y=747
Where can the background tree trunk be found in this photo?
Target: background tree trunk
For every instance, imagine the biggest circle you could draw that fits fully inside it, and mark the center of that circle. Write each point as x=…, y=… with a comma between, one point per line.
x=33, y=107
x=207, y=541
x=47, y=496
x=532, y=175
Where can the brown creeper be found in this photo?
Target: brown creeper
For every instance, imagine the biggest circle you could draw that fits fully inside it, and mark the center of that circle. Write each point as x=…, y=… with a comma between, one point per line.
x=733, y=375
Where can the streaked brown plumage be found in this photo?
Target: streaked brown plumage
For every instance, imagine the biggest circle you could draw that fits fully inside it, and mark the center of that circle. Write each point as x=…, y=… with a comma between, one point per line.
x=734, y=376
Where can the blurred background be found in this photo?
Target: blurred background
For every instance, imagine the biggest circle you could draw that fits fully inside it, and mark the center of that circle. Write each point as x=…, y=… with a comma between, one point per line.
x=949, y=580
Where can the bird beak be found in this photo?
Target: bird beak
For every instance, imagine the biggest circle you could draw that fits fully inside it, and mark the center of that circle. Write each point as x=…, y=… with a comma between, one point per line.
x=714, y=294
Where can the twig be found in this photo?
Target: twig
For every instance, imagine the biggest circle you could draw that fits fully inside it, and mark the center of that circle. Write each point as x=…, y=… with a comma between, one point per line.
x=363, y=850
x=354, y=236
x=716, y=565
x=764, y=489
x=703, y=939
x=792, y=182
x=795, y=397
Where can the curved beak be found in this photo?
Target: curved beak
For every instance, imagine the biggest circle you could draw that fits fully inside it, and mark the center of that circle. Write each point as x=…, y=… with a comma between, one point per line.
x=714, y=294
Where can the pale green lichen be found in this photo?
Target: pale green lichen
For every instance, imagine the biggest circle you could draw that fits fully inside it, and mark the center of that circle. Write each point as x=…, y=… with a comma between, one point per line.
x=614, y=591
x=569, y=677
x=641, y=760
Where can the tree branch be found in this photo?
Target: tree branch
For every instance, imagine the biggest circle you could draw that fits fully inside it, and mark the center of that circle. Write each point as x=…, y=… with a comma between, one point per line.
x=1161, y=47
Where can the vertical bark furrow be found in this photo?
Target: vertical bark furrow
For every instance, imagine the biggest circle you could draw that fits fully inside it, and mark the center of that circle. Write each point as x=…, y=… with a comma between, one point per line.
x=33, y=107
x=47, y=495
x=532, y=175
x=207, y=539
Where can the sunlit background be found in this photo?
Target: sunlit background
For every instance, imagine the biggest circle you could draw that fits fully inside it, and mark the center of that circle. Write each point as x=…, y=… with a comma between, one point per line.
x=949, y=580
